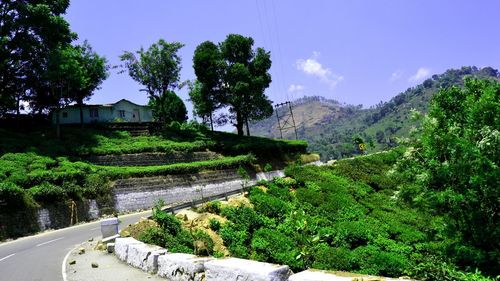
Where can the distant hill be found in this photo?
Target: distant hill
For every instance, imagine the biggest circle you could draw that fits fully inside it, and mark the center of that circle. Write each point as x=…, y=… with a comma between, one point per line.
x=330, y=126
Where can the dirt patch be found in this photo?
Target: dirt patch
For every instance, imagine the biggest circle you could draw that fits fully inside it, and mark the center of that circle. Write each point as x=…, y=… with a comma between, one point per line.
x=136, y=229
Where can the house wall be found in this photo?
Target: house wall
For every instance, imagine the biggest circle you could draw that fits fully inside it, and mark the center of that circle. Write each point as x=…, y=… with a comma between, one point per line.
x=108, y=113
x=145, y=114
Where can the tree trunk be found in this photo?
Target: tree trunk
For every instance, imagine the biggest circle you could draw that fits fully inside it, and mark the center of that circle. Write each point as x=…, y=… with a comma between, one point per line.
x=248, y=128
x=18, y=112
x=58, y=123
x=211, y=122
x=239, y=123
x=81, y=113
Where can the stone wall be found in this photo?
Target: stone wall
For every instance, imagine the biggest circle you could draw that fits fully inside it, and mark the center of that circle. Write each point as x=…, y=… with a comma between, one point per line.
x=26, y=221
x=151, y=158
x=128, y=195
x=142, y=193
x=180, y=267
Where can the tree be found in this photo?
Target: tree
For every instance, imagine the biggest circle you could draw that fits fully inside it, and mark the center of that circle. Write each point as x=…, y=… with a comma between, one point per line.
x=94, y=70
x=168, y=107
x=202, y=107
x=206, y=94
x=157, y=68
x=64, y=76
x=29, y=31
x=234, y=75
x=453, y=170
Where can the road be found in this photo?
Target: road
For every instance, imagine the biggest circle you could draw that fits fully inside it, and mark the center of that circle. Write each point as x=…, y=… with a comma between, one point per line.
x=39, y=257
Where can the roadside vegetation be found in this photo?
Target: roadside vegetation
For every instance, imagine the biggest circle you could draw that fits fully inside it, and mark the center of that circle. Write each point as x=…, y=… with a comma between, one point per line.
x=427, y=209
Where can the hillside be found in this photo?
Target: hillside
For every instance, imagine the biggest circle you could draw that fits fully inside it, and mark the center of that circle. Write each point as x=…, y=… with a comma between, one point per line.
x=89, y=169
x=329, y=126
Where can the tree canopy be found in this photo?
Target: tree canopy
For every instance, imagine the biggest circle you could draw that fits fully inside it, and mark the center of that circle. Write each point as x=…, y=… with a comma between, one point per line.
x=454, y=169
x=30, y=31
x=158, y=70
x=235, y=75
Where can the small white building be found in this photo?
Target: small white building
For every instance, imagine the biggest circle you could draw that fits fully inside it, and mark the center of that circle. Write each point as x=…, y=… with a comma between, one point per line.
x=120, y=111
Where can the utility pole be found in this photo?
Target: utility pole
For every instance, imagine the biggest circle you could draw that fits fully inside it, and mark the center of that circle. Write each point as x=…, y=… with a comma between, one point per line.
x=286, y=120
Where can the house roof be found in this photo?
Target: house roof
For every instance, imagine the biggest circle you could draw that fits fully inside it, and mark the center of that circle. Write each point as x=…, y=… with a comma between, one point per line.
x=106, y=104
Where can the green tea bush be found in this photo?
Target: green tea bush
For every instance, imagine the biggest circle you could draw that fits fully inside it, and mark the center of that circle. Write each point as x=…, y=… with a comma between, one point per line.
x=270, y=206
x=182, y=242
x=167, y=222
x=275, y=247
x=330, y=258
x=213, y=207
x=48, y=193
x=11, y=195
x=214, y=224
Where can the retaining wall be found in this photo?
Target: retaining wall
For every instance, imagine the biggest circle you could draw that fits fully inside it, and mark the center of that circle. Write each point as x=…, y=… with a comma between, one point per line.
x=142, y=193
x=152, y=159
x=128, y=195
x=177, y=267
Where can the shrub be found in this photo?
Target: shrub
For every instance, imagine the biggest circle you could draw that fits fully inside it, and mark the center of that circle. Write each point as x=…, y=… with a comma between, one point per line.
x=203, y=243
x=273, y=246
x=213, y=207
x=48, y=193
x=180, y=243
x=11, y=194
x=330, y=258
x=270, y=206
x=214, y=224
x=167, y=222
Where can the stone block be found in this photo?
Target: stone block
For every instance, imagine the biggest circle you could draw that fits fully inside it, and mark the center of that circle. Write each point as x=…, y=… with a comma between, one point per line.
x=138, y=256
x=122, y=245
x=182, y=267
x=239, y=269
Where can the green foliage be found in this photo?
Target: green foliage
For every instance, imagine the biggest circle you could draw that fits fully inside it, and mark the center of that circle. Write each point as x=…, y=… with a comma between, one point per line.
x=30, y=32
x=268, y=167
x=167, y=222
x=453, y=170
x=11, y=195
x=168, y=108
x=232, y=74
x=47, y=192
x=214, y=224
x=203, y=243
x=343, y=217
x=180, y=243
x=213, y=207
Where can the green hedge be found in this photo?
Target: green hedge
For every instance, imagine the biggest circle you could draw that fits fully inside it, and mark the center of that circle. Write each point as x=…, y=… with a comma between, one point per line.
x=49, y=180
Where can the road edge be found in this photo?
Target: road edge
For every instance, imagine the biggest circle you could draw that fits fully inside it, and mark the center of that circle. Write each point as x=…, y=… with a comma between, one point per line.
x=65, y=261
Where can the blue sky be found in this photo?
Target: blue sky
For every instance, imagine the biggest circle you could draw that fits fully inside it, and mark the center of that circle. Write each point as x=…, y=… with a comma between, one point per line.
x=357, y=52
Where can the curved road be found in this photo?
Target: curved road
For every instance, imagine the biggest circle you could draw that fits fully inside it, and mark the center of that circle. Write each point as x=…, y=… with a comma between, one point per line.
x=40, y=257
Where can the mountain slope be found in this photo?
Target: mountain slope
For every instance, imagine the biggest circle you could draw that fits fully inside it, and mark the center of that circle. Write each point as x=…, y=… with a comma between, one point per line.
x=329, y=126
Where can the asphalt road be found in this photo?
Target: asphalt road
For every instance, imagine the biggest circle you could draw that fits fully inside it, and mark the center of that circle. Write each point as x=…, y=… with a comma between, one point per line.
x=40, y=257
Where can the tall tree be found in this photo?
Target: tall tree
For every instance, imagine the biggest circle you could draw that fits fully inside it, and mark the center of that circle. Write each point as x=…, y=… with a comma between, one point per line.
x=207, y=91
x=29, y=31
x=64, y=76
x=157, y=69
x=94, y=69
x=236, y=76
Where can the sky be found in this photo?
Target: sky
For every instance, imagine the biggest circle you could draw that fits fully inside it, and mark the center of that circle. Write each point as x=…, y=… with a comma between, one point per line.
x=356, y=52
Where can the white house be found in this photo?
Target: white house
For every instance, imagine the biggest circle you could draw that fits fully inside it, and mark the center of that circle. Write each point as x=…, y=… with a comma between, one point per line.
x=120, y=111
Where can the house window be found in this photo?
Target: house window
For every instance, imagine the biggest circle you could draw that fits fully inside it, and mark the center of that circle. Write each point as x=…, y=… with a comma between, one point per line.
x=121, y=113
x=65, y=114
x=94, y=113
